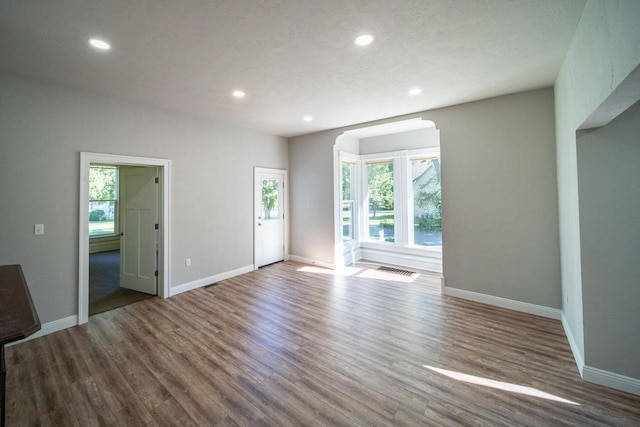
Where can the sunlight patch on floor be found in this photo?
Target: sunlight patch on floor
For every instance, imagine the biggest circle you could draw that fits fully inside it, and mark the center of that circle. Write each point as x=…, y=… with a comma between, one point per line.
x=500, y=385
x=363, y=273
x=346, y=271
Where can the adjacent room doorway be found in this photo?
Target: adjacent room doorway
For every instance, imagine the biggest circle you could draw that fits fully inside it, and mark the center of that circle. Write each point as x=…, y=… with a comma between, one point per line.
x=143, y=204
x=270, y=216
x=123, y=238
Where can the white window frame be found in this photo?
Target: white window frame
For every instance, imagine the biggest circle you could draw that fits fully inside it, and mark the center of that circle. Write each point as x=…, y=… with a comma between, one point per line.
x=353, y=200
x=116, y=214
x=403, y=197
x=416, y=155
x=346, y=251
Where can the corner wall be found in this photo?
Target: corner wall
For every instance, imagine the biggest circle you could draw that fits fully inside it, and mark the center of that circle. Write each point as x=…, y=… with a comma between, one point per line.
x=604, y=51
x=608, y=178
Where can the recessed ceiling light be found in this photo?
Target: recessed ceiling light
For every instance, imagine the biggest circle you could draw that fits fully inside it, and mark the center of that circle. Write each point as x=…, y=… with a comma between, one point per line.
x=363, y=40
x=239, y=93
x=99, y=44
x=307, y=118
x=415, y=91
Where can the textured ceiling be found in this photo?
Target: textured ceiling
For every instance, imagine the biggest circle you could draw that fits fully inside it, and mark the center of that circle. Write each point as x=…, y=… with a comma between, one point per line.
x=292, y=57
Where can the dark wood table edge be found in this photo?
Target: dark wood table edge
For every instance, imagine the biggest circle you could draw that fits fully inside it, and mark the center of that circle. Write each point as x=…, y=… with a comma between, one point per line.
x=15, y=336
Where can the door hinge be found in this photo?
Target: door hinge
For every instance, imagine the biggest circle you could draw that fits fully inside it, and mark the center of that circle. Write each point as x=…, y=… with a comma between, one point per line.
x=157, y=180
x=156, y=273
x=156, y=227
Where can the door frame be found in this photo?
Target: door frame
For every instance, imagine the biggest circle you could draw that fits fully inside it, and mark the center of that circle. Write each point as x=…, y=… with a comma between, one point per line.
x=164, y=166
x=257, y=206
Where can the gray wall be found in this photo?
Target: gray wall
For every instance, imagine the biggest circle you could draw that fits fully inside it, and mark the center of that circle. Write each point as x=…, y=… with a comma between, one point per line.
x=608, y=179
x=44, y=128
x=604, y=50
x=500, y=218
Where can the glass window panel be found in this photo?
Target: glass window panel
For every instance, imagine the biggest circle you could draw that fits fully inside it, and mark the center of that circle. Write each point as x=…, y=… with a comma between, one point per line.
x=348, y=204
x=270, y=203
x=103, y=183
x=427, y=202
x=347, y=181
x=102, y=215
x=103, y=203
x=347, y=220
x=381, y=201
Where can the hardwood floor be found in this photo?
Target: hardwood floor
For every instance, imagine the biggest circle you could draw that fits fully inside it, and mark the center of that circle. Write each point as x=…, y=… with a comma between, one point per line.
x=291, y=344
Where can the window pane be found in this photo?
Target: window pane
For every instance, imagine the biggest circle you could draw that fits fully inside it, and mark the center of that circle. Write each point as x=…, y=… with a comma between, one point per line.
x=348, y=204
x=347, y=220
x=103, y=183
x=381, y=199
x=102, y=216
x=270, y=199
x=347, y=180
x=427, y=203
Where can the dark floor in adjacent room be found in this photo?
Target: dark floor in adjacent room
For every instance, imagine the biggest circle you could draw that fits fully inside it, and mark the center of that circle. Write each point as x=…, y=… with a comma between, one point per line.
x=105, y=292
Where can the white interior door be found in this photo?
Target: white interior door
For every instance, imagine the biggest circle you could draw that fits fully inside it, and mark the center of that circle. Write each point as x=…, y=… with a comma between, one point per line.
x=269, y=216
x=138, y=234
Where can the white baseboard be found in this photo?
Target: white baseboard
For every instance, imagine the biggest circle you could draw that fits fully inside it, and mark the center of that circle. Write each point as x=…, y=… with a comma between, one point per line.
x=311, y=261
x=610, y=379
x=51, y=327
x=348, y=257
x=424, y=261
x=175, y=290
x=577, y=353
x=104, y=245
x=524, y=307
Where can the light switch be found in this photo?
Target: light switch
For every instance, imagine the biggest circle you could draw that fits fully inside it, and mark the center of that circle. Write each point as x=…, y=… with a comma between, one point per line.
x=39, y=229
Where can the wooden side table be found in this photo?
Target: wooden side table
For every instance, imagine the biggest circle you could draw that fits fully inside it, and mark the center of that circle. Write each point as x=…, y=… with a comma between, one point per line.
x=18, y=316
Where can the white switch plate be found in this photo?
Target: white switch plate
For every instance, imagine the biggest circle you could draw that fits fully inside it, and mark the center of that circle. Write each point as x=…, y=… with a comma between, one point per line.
x=187, y=262
x=38, y=229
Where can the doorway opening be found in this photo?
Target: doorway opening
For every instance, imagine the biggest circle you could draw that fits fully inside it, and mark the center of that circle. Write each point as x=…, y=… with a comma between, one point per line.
x=139, y=201
x=122, y=198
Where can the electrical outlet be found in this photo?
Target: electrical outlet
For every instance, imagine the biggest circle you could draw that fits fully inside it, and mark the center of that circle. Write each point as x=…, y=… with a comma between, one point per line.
x=38, y=229
x=187, y=262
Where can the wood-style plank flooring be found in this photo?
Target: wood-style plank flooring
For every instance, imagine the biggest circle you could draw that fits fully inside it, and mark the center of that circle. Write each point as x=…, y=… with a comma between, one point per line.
x=292, y=345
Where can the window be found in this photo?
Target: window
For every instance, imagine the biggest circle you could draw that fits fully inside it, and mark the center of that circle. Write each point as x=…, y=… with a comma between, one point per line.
x=381, y=201
x=103, y=200
x=427, y=202
x=270, y=199
x=401, y=199
x=348, y=202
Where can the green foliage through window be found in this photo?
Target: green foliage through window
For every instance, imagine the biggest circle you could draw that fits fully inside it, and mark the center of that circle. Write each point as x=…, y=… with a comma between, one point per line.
x=380, y=180
x=103, y=198
x=270, y=198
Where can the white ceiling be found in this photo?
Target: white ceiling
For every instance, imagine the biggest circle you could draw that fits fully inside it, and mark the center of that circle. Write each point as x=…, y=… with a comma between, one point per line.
x=292, y=57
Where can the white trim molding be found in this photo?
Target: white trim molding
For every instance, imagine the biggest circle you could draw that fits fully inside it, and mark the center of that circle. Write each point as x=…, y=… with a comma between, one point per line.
x=577, y=354
x=428, y=258
x=310, y=261
x=175, y=290
x=524, y=307
x=611, y=379
x=51, y=327
x=164, y=264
